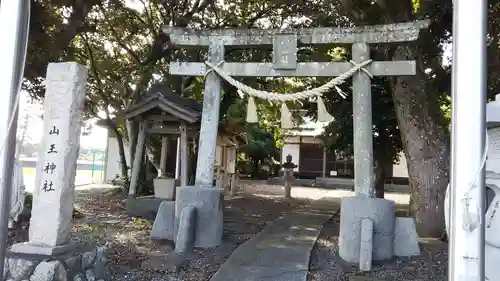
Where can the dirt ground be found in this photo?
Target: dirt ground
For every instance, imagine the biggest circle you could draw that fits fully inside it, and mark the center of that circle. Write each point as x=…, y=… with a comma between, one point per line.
x=101, y=219
x=326, y=265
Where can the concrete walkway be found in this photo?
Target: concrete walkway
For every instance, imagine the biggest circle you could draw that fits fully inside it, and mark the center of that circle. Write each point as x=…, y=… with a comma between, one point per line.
x=281, y=251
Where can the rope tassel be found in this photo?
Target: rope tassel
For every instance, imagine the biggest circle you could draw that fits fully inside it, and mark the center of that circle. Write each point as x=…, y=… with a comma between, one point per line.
x=323, y=115
x=252, y=111
x=286, y=117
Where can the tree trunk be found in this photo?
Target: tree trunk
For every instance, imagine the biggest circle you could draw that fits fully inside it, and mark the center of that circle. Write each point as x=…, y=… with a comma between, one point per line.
x=133, y=133
x=256, y=171
x=425, y=145
x=379, y=179
x=193, y=158
x=121, y=151
x=152, y=156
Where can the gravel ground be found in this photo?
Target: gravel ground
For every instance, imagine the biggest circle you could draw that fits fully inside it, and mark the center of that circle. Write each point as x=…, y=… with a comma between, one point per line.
x=101, y=219
x=326, y=265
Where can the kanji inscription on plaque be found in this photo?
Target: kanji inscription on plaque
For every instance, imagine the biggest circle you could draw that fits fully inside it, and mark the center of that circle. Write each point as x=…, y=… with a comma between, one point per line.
x=285, y=51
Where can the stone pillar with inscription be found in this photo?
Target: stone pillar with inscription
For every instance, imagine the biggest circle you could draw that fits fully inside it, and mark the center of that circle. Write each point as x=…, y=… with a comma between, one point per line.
x=53, y=197
x=49, y=254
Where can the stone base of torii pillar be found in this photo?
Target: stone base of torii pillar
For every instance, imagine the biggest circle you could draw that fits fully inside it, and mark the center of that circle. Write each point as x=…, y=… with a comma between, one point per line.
x=353, y=210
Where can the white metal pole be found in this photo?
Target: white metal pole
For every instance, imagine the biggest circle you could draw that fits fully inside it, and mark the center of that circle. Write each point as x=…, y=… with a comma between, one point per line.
x=178, y=160
x=466, y=257
x=14, y=25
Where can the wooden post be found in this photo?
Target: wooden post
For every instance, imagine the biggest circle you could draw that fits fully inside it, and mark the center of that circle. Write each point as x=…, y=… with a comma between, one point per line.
x=136, y=167
x=225, y=174
x=178, y=160
x=184, y=155
x=231, y=170
x=209, y=119
x=163, y=158
x=324, y=161
x=218, y=177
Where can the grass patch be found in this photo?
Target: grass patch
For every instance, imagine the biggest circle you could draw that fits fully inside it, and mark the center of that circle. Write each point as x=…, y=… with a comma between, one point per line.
x=402, y=210
x=92, y=233
x=98, y=174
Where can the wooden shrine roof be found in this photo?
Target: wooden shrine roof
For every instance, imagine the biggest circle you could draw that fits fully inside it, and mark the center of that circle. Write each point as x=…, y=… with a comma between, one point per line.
x=160, y=99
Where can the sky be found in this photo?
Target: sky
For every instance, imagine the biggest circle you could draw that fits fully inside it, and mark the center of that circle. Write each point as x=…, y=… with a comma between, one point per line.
x=97, y=139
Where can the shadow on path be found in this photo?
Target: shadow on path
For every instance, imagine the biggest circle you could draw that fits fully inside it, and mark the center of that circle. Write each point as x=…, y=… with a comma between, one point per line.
x=282, y=250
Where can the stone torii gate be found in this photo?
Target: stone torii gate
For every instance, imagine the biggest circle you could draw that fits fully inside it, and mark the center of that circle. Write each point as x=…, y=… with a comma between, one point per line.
x=285, y=64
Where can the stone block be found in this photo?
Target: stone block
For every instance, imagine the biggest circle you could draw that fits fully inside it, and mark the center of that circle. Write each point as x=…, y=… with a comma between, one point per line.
x=208, y=202
x=90, y=275
x=65, y=267
x=163, y=227
x=101, y=268
x=406, y=240
x=366, y=245
x=49, y=271
x=35, y=249
x=20, y=269
x=381, y=212
x=164, y=188
x=88, y=259
x=144, y=206
x=184, y=241
x=73, y=265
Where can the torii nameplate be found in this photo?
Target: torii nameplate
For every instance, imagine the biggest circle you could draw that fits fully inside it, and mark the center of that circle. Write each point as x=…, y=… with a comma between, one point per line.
x=285, y=51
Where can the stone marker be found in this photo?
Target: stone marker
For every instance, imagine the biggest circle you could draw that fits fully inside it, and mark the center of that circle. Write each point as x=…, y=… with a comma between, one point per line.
x=184, y=241
x=406, y=240
x=366, y=247
x=288, y=168
x=53, y=197
x=163, y=227
x=234, y=185
x=48, y=255
x=288, y=183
